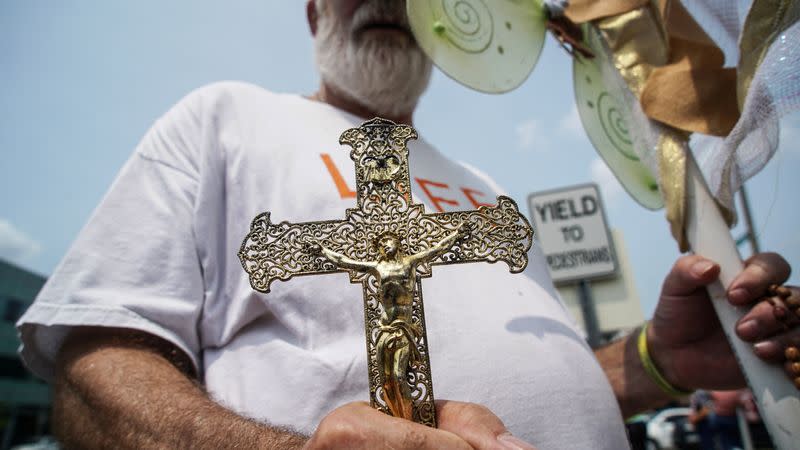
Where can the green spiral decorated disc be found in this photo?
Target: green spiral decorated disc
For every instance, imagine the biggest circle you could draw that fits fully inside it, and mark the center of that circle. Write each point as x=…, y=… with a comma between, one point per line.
x=487, y=45
x=605, y=115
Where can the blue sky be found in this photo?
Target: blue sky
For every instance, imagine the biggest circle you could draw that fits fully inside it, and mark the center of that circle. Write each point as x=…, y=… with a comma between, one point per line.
x=83, y=80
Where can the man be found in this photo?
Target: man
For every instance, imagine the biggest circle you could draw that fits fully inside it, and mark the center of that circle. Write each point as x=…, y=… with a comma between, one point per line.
x=724, y=420
x=150, y=303
x=702, y=406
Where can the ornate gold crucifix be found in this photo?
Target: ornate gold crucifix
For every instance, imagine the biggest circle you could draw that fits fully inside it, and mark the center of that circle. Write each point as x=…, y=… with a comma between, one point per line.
x=388, y=243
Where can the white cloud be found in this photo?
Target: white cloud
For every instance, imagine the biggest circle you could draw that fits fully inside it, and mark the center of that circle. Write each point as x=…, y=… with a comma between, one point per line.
x=610, y=188
x=571, y=125
x=531, y=135
x=15, y=245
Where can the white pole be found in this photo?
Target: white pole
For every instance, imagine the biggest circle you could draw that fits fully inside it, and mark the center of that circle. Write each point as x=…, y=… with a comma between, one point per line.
x=709, y=236
x=744, y=430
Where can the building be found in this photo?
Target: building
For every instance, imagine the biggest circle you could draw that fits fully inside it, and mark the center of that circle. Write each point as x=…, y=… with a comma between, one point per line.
x=24, y=399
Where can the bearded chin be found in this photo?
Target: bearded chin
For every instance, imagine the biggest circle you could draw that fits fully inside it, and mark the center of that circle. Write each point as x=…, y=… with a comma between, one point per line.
x=383, y=74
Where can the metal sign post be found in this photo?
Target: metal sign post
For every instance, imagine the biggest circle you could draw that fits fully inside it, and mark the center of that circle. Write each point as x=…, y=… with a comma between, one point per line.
x=593, y=334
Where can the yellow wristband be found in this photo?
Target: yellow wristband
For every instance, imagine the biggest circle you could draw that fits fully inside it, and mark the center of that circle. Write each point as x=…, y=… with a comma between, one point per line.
x=652, y=370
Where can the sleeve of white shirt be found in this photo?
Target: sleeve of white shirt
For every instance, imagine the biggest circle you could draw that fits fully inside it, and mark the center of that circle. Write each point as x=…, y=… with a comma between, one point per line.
x=134, y=265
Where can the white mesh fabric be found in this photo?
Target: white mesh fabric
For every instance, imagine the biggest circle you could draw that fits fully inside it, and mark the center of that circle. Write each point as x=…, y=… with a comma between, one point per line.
x=774, y=92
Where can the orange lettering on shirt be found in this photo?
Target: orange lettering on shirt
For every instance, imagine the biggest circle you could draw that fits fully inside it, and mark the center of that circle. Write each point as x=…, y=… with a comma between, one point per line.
x=437, y=201
x=470, y=193
x=338, y=180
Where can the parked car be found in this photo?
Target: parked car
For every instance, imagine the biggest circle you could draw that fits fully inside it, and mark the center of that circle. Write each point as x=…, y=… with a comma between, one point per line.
x=39, y=443
x=670, y=429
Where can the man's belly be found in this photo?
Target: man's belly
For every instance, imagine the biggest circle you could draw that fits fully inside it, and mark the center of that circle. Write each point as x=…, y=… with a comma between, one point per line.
x=494, y=338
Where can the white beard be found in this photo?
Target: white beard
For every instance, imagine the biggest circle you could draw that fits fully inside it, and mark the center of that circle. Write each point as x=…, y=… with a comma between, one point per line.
x=385, y=74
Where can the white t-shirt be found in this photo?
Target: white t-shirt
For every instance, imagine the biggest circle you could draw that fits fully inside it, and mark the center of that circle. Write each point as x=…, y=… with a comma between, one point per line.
x=160, y=255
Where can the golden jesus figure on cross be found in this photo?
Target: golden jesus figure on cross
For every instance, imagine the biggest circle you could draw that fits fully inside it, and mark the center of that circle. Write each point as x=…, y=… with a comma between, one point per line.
x=395, y=275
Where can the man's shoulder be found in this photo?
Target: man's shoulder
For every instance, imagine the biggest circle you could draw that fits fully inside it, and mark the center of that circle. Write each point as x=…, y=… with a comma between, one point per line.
x=222, y=93
x=227, y=102
x=197, y=121
x=231, y=87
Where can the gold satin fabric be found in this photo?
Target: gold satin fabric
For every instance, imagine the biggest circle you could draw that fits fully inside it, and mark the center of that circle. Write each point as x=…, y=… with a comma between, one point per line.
x=580, y=11
x=640, y=45
x=668, y=61
x=677, y=72
x=672, y=149
x=694, y=92
x=638, y=42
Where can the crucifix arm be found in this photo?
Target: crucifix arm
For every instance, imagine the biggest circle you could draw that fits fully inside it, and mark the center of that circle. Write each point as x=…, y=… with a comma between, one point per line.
x=496, y=233
x=345, y=262
x=441, y=247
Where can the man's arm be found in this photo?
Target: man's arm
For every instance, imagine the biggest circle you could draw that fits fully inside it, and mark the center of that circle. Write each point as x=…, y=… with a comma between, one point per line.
x=634, y=389
x=685, y=339
x=118, y=388
x=125, y=389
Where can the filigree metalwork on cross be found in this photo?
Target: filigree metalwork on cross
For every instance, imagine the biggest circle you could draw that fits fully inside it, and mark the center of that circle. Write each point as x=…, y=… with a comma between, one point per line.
x=388, y=244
